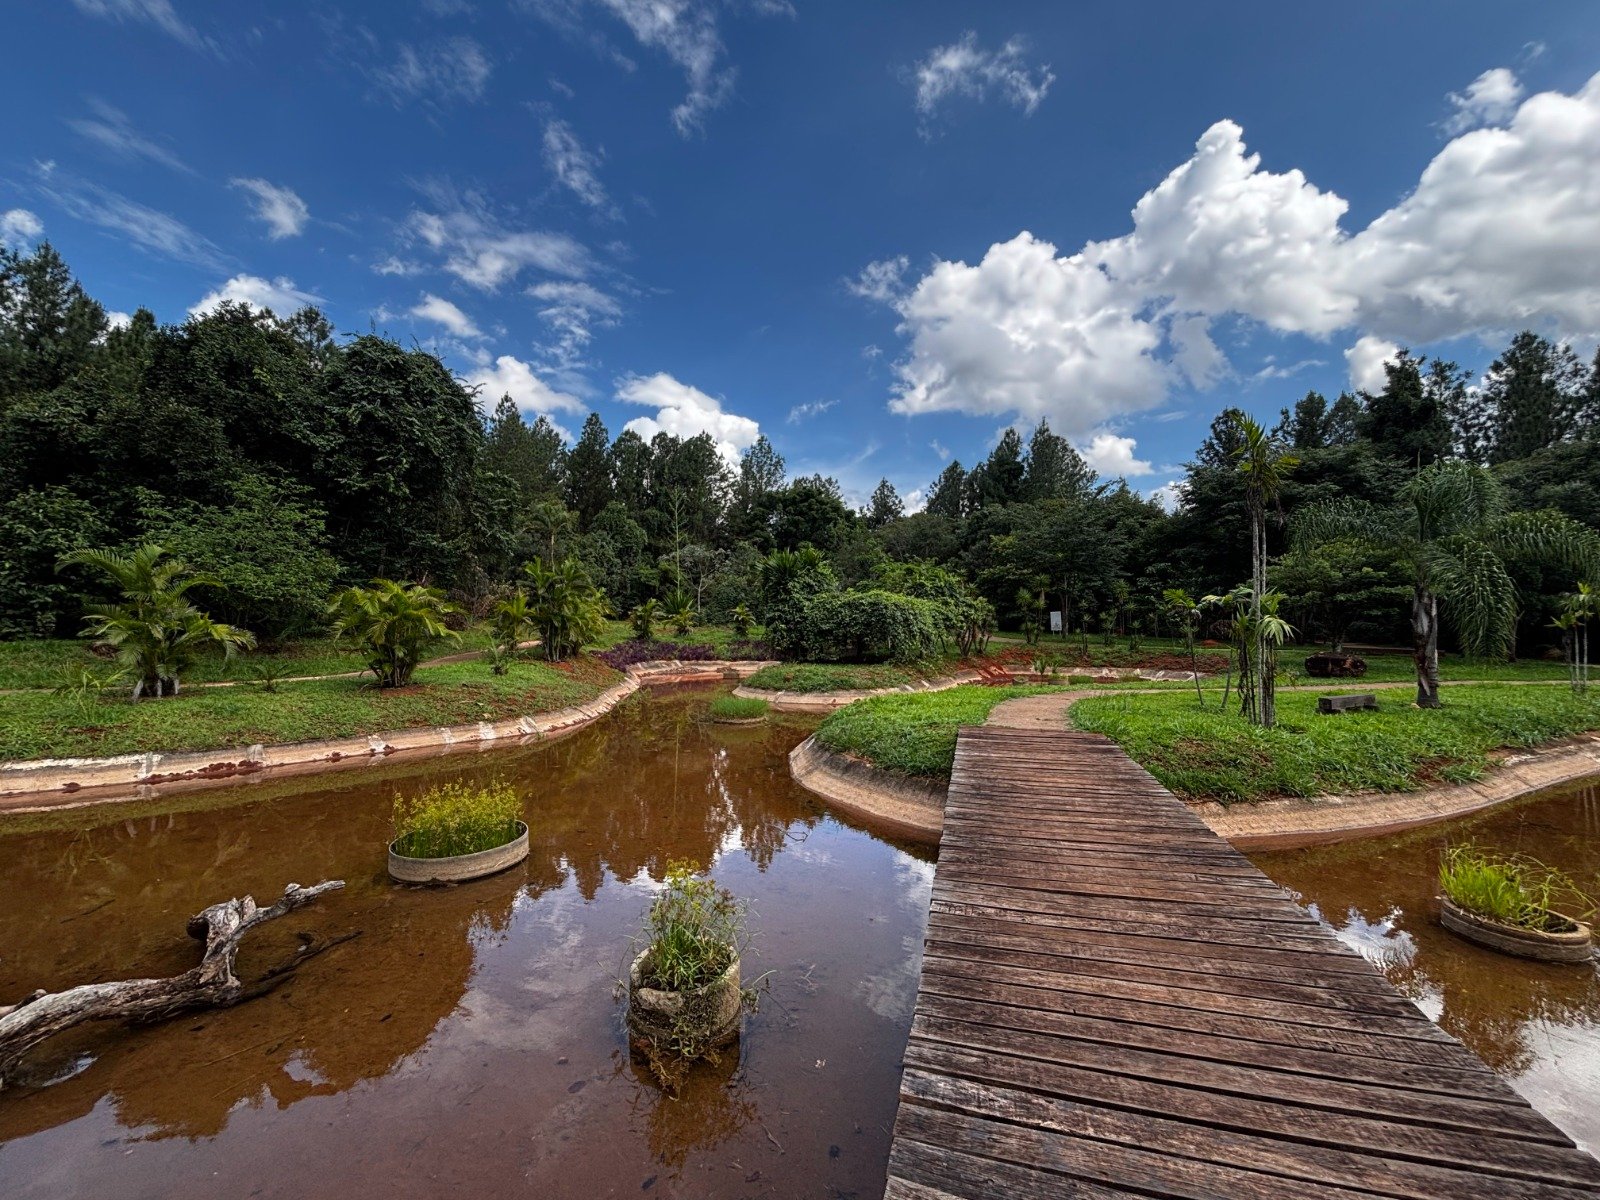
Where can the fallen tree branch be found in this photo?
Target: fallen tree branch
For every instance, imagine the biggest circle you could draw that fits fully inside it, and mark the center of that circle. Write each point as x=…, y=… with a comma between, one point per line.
x=219, y=928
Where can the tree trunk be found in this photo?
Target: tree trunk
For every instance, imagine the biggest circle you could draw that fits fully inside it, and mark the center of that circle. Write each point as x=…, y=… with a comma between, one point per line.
x=220, y=928
x=1425, y=646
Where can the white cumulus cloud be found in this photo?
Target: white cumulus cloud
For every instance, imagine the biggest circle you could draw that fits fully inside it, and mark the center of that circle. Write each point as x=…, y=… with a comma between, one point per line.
x=510, y=376
x=279, y=296
x=443, y=312
x=1365, y=361
x=1489, y=99
x=1113, y=456
x=18, y=225
x=685, y=412
x=283, y=212
x=1500, y=232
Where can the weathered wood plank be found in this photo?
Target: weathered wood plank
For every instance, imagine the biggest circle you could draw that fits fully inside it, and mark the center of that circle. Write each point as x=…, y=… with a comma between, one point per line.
x=1115, y=1002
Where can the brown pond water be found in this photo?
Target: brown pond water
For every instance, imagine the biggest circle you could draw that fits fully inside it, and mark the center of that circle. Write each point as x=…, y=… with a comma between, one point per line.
x=1537, y=1024
x=468, y=1042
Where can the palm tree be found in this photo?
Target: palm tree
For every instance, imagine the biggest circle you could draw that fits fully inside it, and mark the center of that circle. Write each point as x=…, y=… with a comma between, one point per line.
x=157, y=631
x=1577, y=610
x=1454, y=535
x=510, y=622
x=549, y=522
x=1265, y=465
x=567, y=607
x=393, y=622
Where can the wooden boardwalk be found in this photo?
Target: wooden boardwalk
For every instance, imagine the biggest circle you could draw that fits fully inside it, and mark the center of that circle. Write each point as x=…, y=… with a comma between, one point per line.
x=1115, y=1002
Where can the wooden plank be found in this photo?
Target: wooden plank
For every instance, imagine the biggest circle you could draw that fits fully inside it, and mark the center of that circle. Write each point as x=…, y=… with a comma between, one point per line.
x=1114, y=1002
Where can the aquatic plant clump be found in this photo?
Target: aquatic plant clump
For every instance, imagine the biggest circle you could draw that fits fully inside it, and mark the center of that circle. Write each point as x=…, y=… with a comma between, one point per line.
x=456, y=818
x=1513, y=890
x=692, y=933
x=737, y=708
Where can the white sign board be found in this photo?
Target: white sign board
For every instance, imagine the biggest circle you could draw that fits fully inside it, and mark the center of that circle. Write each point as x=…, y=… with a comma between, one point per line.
x=1055, y=622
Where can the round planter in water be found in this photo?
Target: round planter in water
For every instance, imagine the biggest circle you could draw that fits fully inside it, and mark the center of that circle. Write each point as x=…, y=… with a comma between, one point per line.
x=761, y=720
x=1573, y=944
x=458, y=868
x=678, y=1022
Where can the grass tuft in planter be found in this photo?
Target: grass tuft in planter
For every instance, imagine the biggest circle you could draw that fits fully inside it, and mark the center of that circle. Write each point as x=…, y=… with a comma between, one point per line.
x=738, y=708
x=1512, y=890
x=456, y=818
x=684, y=993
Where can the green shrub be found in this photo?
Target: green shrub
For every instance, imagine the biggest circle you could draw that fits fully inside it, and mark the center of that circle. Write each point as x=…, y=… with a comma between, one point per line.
x=693, y=931
x=1515, y=890
x=738, y=708
x=875, y=626
x=393, y=623
x=643, y=620
x=741, y=620
x=456, y=818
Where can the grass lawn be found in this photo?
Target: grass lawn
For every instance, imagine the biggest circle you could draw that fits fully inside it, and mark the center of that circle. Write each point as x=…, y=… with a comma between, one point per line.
x=1207, y=754
x=40, y=724
x=50, y=663
x=913, y=734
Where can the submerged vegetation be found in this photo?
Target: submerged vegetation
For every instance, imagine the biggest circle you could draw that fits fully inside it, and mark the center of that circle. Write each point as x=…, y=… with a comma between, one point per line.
x=1514, y=890
x=456, y=818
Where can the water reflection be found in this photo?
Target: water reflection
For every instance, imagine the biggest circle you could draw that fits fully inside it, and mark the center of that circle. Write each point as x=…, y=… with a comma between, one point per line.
x=1538, y=1024
x=469, y=1038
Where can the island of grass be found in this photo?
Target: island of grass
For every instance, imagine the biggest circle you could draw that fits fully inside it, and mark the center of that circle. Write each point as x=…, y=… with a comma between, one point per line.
x=913, y=734
x=45, y=724
x=1206, y=754
x=737, y=710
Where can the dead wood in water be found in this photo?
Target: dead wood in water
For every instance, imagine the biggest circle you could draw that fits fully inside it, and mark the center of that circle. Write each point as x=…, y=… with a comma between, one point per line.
x=219, y=928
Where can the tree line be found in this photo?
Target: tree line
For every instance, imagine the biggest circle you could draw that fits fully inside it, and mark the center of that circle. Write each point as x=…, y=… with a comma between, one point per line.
x=286, y=463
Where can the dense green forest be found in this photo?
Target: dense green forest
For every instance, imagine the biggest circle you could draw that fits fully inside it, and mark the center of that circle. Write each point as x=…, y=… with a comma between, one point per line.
x=287, y=461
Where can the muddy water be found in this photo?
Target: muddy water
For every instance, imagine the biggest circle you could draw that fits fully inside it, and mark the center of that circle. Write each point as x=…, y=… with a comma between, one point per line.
x=1537, y=1024
x=468, y=1041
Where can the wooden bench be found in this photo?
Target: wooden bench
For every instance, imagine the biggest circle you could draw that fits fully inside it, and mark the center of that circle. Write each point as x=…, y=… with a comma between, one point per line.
x=1339, y=704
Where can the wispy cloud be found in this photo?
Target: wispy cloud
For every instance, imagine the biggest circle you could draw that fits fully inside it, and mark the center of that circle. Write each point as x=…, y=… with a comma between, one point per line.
x=814, y=408
x=479, y=248
x=151, y=230
x=158, y=13
x=966, y=69
x=575, y=167
x=453, y=69
x=284, y=213
x=109, y=128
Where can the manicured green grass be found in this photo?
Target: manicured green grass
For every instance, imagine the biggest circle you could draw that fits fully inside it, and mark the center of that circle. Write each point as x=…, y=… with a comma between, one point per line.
x=50, y=663
x=915, y=733
x=1398, y=668
x=835, y=677
x=1212, y=755
x=40, y=724
x=738, y=708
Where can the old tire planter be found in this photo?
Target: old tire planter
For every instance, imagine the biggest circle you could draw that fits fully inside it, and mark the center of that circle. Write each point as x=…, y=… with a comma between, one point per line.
x=458, y=868
x=1574, y=945
x=656, y=1018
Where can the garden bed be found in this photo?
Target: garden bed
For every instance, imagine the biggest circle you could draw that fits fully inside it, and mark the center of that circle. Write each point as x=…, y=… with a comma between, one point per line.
x=45, y=725
x=1208, y=755
x=912, y=734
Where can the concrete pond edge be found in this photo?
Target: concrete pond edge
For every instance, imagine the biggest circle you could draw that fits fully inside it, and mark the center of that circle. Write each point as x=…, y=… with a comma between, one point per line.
x=38, y=785
x=914, y=808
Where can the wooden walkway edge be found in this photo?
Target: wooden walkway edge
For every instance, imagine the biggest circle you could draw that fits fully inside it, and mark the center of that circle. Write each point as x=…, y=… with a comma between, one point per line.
x=1115, y=1002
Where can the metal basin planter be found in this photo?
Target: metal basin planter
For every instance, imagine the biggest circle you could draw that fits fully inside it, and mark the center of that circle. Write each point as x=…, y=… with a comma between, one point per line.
x=458, y=868
x=1574, y=944
x=761, y=720
x=683, y=1023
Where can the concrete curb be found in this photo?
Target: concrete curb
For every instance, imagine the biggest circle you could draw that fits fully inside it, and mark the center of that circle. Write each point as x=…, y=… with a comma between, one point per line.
x=828, y=701
x=38, y=784
x=902, y=807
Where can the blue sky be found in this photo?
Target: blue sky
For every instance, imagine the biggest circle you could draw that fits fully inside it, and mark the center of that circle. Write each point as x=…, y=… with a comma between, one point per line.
x=876, y=233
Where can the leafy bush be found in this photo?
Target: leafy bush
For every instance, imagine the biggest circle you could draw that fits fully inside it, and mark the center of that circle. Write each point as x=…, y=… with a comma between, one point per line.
x=742, y=621
x=509, y=625
x=693, y=931
x=393, y=623
x=1515, y=890
x=456, y=818
x=157, y=632
x=682, y=618
x=873, y=626
x=643, y=620
x=738, y=708
x=36, y=529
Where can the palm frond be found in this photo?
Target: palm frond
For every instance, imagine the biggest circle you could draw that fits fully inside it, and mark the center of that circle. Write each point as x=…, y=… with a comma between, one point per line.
x=1548, y=537
x=1478, y=594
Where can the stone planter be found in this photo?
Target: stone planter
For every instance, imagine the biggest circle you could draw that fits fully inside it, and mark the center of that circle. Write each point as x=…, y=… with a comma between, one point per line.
x=688, y=1023
x=458, y=868
x=1573, y=945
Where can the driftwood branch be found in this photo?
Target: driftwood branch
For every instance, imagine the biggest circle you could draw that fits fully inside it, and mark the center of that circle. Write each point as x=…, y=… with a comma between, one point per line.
x=219, y=929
